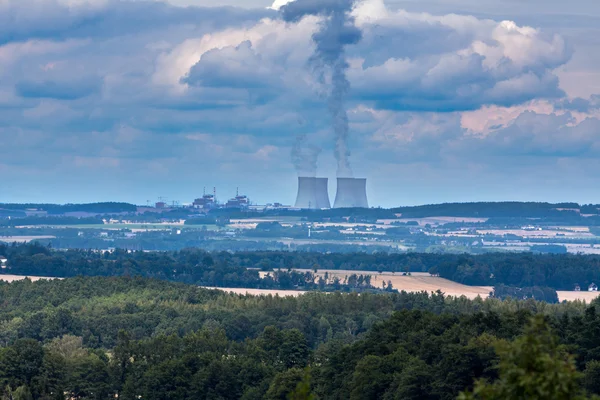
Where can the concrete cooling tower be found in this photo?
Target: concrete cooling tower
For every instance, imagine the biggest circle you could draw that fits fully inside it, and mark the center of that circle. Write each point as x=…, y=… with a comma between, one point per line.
x=351, y=192
x=312, y=193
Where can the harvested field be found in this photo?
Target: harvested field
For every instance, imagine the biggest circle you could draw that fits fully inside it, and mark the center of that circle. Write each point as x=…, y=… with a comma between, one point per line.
x=23, y=239
x=434, y=220
x=572, y=296
x=258, y=292
x=417, y=282
x=12, y=278
x=536, y=234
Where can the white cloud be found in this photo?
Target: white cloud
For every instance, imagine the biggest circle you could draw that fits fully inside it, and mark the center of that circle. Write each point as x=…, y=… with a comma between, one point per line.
x=223, y=92
x=277, y=4
x=405, y=61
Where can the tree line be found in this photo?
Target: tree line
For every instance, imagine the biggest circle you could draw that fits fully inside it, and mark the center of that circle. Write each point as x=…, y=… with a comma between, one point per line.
x=474, y=209
x=240, y=269
x=100, y=207
x=189, y=266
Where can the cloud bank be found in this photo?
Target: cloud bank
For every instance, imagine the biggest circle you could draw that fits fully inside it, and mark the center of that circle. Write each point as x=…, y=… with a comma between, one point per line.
x=134, y=90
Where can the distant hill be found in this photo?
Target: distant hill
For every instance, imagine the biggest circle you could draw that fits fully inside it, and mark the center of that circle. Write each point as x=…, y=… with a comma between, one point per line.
x=93, y=208
x=493, y=209
x=511, y=209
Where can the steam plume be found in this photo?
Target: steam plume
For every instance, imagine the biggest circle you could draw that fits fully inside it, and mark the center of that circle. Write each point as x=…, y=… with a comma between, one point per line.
x=336, y=32
x=304, y=157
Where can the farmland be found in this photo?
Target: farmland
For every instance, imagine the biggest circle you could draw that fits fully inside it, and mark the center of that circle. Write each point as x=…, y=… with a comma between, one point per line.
x=424, y=282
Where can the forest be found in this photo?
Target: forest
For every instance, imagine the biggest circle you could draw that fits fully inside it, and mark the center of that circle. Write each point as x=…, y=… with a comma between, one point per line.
x=190, y=266
x=241, y=269
x=139, y=338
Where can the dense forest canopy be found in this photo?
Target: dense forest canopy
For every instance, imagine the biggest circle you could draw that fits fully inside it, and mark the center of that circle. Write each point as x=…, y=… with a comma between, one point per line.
x=96, y=338
x=240, y=269
x=189, y=266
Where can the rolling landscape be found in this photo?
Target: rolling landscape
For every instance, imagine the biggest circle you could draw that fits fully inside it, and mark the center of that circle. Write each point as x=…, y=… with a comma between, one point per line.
x=299, y=200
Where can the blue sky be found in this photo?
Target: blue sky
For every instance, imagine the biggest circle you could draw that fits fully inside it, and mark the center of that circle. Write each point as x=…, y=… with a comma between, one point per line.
x=449, y=100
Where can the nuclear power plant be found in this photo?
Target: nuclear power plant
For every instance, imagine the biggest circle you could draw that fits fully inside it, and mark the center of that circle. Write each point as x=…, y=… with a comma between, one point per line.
x=313, y=193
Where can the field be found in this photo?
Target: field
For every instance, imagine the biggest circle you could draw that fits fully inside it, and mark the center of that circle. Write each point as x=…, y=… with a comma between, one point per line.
x=259, y=292
x=23, y=239
x=250, y=223
x=416, y=282
x=435, y=221
x=132, y=227
x=537, y=234
x=356, y=242
x=12, y=278
x=422, y=281
x=582, y=296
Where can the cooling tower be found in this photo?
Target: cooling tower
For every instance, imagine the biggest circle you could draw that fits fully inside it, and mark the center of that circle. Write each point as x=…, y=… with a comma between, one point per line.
x=312, y=193
x=351, y=192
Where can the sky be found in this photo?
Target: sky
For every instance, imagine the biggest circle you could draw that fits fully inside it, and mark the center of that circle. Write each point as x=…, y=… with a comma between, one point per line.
x=447, y=100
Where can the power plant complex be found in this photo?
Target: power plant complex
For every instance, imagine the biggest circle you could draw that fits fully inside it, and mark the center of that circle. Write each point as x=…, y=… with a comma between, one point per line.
x=313, y=193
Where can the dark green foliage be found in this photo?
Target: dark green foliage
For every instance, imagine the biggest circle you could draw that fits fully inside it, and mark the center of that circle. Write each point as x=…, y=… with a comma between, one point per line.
x=241, y=269
x=591, y=377
x=284, y=383
x=189, y=266
x=549, y=248
x=94, y=338
x=546, y=294
x=533, y=367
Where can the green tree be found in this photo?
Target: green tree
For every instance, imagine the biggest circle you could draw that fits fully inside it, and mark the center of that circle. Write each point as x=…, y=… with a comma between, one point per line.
x=302, y=390
x=284, y=383
x=591, y=377
x=294, y=350
x=533, y=367
x=21, y=393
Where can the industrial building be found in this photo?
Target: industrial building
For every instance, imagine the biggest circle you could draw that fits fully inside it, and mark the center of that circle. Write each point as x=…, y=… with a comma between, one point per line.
x=312, y=193
x=239, y=201
x=207, y=201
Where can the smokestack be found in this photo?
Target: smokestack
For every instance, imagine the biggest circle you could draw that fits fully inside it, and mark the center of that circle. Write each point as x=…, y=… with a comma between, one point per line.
x=336, y=32
x=351, y=193
x=305, y=156
x=312, y=193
